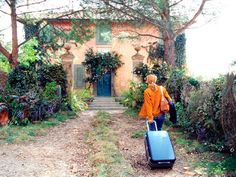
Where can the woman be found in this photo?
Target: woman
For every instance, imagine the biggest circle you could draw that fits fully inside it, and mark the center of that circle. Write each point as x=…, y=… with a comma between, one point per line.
x=151, y=106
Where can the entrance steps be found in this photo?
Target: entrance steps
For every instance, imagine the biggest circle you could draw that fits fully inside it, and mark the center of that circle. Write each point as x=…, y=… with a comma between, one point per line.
x=105, y=103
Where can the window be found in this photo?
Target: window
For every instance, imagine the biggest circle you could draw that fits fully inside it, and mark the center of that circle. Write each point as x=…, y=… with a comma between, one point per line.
x=103, y=33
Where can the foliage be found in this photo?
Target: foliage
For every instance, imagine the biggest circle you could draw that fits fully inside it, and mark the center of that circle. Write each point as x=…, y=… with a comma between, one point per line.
x=183, y=119
x=4, y=63
x=142, y=70
x=53, y=38
x=225, y=167
x=194, y=82
x=28, y=54
x=204, y=110
x=133, y=98
x=176, y=82
x=35, y=87
x=49, y=73
x=31, y=29
x=50, y=91
x=98, y=64
x=160, y=69
x=156, y=52
x=180, y=50
x=23, y=78
x=76, y=100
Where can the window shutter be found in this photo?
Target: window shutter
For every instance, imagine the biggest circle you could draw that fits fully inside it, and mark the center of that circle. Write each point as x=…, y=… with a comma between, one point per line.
x=79, y=76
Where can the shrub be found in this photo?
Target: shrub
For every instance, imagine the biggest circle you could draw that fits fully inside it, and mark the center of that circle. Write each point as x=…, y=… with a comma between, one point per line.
x=160, y=69
x=27, y=53
x=203, y=112
x=23, y=78
x=53, y=73
x=50, y=91
x=38, y=85
x=176, y=82
x=133, y=98
x=76, y=100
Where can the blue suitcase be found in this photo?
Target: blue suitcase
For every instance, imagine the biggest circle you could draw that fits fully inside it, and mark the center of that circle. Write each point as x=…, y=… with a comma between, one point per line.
x=159, y=149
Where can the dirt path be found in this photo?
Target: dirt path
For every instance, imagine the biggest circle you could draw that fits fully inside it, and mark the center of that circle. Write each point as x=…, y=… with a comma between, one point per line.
x=63, y=152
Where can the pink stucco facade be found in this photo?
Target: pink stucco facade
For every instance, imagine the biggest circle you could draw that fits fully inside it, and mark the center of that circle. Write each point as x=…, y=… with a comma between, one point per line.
x=124, y=47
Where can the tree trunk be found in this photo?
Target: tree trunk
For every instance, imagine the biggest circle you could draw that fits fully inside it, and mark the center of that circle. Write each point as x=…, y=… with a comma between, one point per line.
x=14, y=54
x=169, y=48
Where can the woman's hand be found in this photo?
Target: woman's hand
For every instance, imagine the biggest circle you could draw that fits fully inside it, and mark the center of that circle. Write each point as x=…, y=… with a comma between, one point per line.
x=150, y=121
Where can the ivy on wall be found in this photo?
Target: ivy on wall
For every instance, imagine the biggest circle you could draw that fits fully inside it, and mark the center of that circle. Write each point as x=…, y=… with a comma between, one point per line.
x=180, y=50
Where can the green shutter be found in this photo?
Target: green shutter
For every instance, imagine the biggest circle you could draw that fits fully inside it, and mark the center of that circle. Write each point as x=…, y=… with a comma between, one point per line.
x=79, y=76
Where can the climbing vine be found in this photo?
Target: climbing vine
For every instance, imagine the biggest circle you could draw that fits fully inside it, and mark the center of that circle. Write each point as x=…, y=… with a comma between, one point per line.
x=98, y=64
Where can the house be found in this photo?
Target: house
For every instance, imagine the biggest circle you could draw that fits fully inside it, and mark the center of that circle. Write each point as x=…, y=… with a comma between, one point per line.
x=108, y=37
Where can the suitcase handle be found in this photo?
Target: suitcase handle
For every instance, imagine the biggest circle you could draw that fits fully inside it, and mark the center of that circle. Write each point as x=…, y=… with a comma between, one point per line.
x=147, y=124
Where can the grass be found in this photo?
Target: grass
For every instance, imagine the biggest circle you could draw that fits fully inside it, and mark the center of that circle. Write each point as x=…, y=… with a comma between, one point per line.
x=106, y=157
x=131, y=113
x=19, y=134
x=138, y=134
x=222, y=167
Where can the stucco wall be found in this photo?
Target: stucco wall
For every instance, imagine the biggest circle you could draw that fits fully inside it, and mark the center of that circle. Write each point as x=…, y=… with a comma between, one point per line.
x=125, y=47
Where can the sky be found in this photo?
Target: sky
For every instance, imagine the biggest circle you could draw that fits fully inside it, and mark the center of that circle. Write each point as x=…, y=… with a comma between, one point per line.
x=210, y=48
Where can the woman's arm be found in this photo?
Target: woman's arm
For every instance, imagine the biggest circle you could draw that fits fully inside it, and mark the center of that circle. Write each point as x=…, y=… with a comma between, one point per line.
x=148, y=105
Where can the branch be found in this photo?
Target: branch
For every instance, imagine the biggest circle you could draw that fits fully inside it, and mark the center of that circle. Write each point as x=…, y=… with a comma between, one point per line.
x=4, y=12
x=193, y=20
x=142, y=34
x=133, y=13
x=39, y=2
x=155, y=6
x=8, y=2
x=67, y=14
x=39, y=11
x=1, y=30
x=5, y=52
x=175, y=3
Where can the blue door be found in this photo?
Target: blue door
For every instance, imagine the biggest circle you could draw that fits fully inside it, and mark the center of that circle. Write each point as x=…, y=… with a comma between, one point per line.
x=104, y=85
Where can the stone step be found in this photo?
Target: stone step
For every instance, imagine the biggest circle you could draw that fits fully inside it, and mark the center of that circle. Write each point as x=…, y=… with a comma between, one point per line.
x=107, y=108
x=105, y=103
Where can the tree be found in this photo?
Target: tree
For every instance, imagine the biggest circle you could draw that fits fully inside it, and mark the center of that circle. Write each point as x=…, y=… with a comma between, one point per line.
x=171, y=17
x=18, y=12
x=12, y=57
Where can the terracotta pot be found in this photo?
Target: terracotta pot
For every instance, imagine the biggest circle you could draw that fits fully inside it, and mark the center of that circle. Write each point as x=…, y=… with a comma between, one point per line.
x=4, y=116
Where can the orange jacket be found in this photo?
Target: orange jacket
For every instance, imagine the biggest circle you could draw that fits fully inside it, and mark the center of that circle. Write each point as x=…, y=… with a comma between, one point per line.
x=152, y=99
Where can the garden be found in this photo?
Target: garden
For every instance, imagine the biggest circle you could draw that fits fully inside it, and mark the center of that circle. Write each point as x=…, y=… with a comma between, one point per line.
x=43, y=120
x=34, y=97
